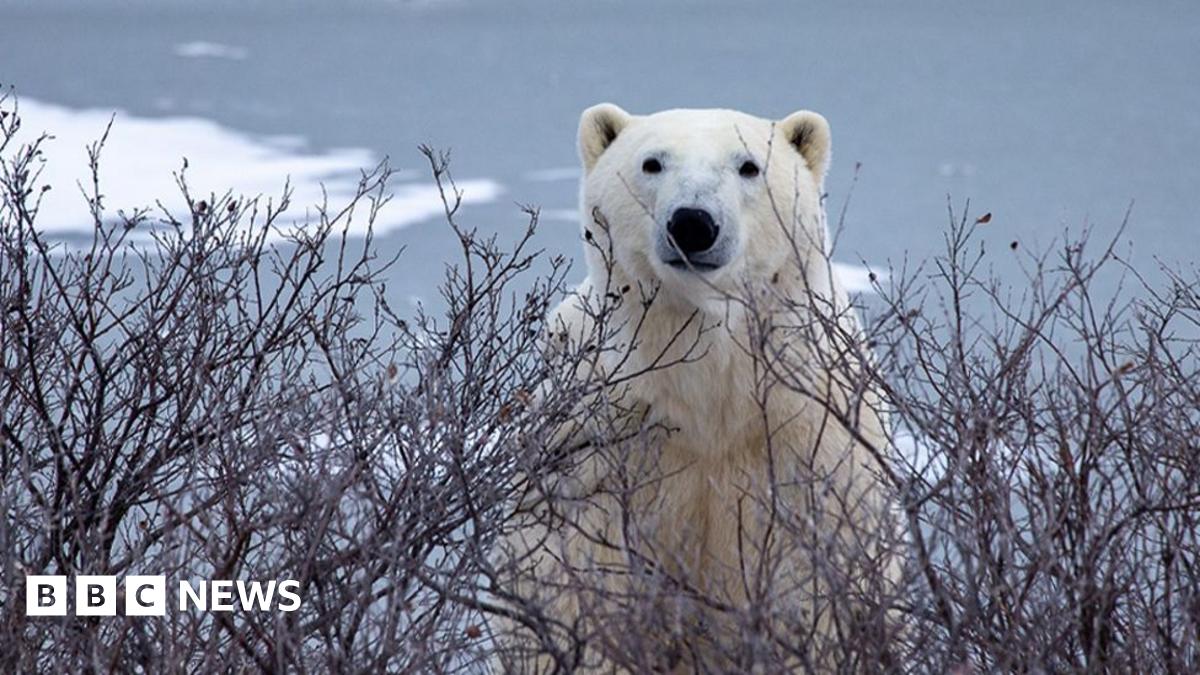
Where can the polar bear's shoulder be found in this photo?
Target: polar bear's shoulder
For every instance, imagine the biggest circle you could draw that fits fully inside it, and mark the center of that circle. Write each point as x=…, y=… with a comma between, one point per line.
x=572, y=321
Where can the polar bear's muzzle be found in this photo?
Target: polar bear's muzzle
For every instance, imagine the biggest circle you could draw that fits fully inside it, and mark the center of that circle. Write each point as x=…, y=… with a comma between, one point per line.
x=692, y=240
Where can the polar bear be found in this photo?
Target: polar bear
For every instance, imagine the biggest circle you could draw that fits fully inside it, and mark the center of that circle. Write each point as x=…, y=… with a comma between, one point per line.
x=751, y=496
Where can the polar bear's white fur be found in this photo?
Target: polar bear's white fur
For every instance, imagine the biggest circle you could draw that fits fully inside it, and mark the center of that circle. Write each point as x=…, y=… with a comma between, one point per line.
x=716, y=215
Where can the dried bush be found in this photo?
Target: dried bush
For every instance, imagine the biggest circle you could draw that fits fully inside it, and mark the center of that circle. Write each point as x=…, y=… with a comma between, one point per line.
x=236, y=400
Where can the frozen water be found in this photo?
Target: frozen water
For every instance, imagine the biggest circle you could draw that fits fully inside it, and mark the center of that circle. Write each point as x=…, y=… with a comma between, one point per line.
x=1047, y=115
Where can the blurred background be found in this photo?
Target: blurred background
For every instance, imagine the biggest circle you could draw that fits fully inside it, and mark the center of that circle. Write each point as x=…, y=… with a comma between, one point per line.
x=1048, y=115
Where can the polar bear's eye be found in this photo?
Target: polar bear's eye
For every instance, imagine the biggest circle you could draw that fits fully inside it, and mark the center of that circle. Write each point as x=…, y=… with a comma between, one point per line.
x=748, y=169
x=652, y=166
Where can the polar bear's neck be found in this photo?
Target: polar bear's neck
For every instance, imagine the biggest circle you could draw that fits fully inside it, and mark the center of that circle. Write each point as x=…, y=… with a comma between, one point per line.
x=701, y=371
x=694, y=372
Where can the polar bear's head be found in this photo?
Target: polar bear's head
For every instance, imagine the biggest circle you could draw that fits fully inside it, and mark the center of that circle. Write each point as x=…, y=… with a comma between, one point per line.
x=701, y=199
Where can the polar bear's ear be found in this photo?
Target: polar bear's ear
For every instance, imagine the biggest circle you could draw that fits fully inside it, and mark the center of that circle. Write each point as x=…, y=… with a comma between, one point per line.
x=598, y=128
x=808, y=132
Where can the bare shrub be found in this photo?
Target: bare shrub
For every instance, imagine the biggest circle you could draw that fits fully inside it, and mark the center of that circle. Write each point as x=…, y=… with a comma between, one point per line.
x=1050, y=486
x=219, y=405
x=235, y=399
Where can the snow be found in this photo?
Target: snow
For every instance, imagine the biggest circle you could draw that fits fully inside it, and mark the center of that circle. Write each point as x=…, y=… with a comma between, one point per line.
x=211, y=50
x=142, y=155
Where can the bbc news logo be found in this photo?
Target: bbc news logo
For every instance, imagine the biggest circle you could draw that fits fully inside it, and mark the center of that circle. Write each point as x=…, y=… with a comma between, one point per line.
x=96, y=595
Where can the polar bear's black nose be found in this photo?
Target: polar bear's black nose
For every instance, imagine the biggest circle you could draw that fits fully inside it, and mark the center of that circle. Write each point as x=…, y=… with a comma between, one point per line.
x=693, y=230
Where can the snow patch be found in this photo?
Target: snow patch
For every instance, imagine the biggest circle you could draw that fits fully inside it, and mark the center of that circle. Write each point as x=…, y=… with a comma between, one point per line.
x=142, y=154
x=857, y=278
x=210, y=50
x=554, y=174
x=565, y=215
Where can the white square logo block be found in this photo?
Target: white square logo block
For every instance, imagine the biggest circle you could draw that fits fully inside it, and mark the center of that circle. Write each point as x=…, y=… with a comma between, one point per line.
x=95, y=595
x=45, y=595
x=145, y=595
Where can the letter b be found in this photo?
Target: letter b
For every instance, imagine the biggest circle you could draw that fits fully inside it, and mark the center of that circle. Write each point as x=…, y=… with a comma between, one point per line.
x=45, y=595
x=95, y=595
